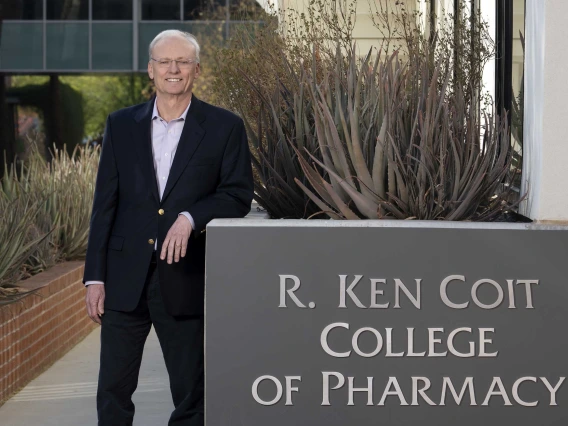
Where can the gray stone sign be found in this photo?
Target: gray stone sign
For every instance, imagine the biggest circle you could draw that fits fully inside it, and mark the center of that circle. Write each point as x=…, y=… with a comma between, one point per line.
x=385, y=323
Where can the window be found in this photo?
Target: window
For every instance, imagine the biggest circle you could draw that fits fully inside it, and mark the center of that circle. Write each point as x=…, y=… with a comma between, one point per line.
x=194, y=10
x=160, y=10
x=67, y=9
x=112, y=10
x=112, y=46
x=21, y=9
x=503, y=75
x=17, y=38
x=67, y=46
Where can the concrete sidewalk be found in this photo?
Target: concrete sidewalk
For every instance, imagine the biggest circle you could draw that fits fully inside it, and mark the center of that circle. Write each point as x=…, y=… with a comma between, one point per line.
x=65, y=394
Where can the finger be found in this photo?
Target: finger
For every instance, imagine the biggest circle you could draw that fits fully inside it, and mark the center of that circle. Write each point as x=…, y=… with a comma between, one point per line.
x=184, y=246
x=90, y=312
x=165, y=247
x=171, y=247
x=178, y=250
x=101, y=304
x=94, y=315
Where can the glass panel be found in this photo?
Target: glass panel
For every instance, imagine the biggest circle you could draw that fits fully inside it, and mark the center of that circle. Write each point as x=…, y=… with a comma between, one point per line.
x=68, y=46
x=111, y=10
x=17, y=38
x=160, y=10
x=112, y=46
x=517, y=77
x=204, y=9
x=21, y=9
x=67, y=9
x=203, y=31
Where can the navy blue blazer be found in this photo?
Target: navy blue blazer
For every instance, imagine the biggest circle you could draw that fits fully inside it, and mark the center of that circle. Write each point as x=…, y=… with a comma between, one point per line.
x=211, y=177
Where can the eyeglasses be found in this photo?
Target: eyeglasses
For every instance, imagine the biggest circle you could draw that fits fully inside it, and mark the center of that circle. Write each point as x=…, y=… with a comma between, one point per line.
x=182, y=63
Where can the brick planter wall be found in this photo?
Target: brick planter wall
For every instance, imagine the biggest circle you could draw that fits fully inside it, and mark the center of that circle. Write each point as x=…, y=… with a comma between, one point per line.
x=39, y=329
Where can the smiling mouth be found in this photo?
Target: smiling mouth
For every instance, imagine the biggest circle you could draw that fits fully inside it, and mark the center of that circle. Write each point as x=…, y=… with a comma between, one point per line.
x=174, y=80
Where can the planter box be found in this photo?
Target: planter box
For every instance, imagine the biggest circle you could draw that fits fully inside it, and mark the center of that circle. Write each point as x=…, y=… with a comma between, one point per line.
x=395, y=323
x=39, y=329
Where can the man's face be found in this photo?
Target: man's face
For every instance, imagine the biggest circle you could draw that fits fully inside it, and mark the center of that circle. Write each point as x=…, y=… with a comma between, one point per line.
x=173, y=79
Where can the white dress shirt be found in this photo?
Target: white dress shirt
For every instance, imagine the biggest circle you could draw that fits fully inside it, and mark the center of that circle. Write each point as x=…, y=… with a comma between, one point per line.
x=165, y=140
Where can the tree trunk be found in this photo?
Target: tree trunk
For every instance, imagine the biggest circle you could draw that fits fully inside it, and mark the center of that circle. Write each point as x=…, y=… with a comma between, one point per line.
x=7, y=141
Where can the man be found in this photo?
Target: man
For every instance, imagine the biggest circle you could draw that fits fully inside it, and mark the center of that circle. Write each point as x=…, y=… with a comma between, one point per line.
x=167, y=168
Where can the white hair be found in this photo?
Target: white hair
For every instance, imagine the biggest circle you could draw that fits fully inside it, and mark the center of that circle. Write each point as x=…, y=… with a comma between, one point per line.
x=175, y=33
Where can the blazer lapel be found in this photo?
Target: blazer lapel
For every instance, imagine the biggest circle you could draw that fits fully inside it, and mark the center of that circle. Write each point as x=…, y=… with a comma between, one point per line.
x=143, y=146
x=191, y=136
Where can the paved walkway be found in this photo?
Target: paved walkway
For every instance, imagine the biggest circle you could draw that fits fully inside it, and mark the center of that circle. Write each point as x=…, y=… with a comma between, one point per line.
x=65, y=394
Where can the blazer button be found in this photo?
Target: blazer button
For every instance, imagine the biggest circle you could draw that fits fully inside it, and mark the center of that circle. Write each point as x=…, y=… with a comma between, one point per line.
x=161, y=211
x=150, y=241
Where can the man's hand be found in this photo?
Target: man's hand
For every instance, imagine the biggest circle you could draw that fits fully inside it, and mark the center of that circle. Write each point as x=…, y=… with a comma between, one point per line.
x=95, y=301
x=175, y=243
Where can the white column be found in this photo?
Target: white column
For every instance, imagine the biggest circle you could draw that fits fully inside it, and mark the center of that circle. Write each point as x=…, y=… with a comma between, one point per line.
x=545, y=137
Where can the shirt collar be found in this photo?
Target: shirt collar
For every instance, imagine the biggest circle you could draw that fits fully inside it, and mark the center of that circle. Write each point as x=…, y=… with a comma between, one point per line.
x=155, y=110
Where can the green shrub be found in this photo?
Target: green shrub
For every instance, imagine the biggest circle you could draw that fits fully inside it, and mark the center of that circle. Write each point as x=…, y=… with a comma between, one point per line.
x=46, y=208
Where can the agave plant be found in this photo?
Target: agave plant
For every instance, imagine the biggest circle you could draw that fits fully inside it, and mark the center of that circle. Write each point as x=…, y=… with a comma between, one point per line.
x=18, y=243
x=284, y=129
x=73, y=178
x=17, y=225
x=46, y=213
x=68, y=182
x=395, y=144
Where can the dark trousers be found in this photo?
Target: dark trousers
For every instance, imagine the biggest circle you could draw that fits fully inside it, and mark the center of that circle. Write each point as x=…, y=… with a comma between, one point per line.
x=123, y=335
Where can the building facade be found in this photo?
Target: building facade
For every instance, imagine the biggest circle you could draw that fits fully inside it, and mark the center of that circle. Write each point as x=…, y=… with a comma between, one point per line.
x=99, y=36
